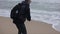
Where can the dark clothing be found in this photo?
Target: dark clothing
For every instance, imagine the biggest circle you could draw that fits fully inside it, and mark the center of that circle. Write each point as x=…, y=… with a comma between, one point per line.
x=19, y=15
x=16, y=13
x=21, y=28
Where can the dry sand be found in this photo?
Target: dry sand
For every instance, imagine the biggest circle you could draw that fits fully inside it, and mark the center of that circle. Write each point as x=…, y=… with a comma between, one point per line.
x=33, y=27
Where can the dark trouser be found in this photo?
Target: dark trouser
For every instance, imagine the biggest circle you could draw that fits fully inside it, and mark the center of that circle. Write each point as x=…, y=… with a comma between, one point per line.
x=21, y=28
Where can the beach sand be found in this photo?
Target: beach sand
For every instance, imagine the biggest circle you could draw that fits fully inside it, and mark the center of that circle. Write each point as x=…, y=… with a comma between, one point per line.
x=33, y=27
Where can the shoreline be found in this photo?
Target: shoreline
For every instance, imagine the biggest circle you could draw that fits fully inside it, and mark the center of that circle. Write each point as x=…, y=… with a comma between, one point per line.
x=33, y=27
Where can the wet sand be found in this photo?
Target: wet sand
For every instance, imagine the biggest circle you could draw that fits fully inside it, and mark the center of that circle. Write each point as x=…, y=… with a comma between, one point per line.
x=33, y=27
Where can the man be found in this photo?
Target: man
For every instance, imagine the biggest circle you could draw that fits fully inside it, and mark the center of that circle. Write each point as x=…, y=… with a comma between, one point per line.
x=19, y=14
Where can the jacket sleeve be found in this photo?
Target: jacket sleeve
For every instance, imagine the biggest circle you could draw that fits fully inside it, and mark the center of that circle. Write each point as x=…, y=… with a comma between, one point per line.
x=13, y=11
x=28, y=14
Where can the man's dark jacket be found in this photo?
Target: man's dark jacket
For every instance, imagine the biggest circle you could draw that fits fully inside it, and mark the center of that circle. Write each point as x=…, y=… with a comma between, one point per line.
x=16, y=11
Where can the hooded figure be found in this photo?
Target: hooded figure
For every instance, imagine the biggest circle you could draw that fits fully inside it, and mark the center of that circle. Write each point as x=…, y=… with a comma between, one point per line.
x=19, y=14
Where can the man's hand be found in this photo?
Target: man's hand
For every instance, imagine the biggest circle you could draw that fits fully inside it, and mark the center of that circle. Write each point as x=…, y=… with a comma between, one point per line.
x=29, y=19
